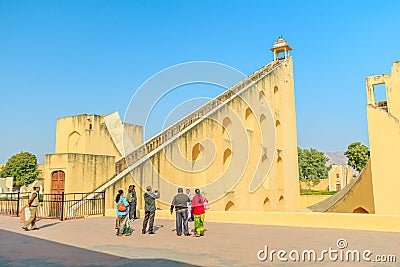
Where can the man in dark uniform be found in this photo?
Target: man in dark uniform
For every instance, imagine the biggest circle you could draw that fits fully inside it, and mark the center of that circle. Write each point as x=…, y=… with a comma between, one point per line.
x=132, y=200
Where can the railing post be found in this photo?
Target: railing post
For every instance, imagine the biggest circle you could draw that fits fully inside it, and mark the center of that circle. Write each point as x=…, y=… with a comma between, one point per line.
x=62, y=206
x=18, y=205
x=104, y=203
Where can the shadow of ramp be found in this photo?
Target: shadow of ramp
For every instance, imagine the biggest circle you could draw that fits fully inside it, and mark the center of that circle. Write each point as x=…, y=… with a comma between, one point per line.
x=22, y=250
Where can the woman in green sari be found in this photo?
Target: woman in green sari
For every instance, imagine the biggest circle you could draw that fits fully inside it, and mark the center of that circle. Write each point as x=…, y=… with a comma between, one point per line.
x=198, y=210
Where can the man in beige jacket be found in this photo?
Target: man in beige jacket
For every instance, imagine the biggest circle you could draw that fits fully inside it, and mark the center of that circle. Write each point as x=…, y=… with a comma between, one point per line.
x=33, y=203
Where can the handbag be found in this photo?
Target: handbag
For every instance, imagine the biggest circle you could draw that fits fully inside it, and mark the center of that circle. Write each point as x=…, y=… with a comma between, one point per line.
x=121, y=206
x=27, y=212
x=24, y=214
x=206, y=205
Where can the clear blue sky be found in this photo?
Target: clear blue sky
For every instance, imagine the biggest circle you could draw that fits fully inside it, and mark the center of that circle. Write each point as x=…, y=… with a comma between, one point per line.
x=61, y=58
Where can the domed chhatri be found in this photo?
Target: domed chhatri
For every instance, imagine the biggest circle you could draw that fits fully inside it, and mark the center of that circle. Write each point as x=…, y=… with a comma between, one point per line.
x=281, y=46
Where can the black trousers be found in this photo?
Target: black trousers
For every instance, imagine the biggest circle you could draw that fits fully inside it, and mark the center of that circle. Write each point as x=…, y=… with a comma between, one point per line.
x=181, y=218
x=132, y=210
x=149, y=217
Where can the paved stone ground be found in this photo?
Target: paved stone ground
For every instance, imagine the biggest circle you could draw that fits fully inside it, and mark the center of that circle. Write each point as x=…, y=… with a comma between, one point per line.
x=92, y=242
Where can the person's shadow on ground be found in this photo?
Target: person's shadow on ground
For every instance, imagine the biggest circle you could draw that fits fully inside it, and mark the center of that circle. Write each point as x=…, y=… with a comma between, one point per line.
x=156, y=227
x=48, y=225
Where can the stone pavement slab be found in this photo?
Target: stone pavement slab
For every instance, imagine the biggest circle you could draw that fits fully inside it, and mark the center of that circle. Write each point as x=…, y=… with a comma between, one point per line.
x=92, y=242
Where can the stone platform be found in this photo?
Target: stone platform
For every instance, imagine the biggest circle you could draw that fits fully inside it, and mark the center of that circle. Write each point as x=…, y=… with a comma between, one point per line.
x=92, y=242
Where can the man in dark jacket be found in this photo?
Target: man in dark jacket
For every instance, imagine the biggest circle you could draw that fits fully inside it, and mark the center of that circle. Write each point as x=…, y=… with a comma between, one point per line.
x=180, y=202
x=149, y=209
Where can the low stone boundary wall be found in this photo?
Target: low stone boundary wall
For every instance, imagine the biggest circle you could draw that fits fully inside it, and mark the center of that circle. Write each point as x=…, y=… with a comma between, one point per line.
x=368, y=222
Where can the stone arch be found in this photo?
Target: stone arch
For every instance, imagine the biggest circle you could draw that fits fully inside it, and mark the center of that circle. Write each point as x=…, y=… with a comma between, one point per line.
x=266, y=204
x=248, y=113
x=249, y=118
x=278, y=130
x=225, y=124
x=338, y=186
x=73, y=139
x=262, y=118
x=227, y=155
x=196, y=151
x=276, y=100
x=281, y=203
x=264, y=158
x=360, y=210
x=229, y=206
x=261, y=95
x=281, y=183
x=57, y=182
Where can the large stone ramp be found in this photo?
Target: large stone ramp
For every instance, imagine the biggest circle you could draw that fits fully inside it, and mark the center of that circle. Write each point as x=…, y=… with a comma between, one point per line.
x=148, y=149
x=197, y=115
x=246, y=138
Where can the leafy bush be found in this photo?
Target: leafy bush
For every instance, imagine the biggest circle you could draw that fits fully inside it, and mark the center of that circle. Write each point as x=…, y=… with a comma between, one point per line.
x=23, y=167
x=314, y=192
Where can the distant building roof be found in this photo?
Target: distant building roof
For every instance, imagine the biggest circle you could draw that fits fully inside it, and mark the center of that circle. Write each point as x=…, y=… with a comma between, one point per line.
x=337, y=158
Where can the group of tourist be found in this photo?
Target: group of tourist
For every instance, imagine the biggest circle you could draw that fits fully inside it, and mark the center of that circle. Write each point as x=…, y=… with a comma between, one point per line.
x=187, y=208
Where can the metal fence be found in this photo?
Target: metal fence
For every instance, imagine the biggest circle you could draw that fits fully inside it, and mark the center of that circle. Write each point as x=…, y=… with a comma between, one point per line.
x=55, y=206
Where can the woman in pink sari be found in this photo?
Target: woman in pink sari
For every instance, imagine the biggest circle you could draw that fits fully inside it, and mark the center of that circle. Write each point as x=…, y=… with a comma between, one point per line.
x=199, y=213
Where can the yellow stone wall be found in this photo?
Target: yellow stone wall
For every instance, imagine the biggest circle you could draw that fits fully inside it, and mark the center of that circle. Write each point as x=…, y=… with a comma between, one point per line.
x=321, y=186
x=88, y=134
x=280, y=189
x=41, y=168
x=384, y=138
x=83, y=172
x=85, y=152
x=385, y=151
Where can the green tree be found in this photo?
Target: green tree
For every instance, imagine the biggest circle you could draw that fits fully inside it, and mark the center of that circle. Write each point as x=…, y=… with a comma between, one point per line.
x=358, y=155
x=23, y=167
x=312, y=166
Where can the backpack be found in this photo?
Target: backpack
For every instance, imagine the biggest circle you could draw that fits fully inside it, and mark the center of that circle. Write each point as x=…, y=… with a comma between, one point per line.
x=121, y=206
x=129, y=197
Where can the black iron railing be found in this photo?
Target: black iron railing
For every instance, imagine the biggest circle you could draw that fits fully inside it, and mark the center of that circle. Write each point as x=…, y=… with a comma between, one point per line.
x=55, y=206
